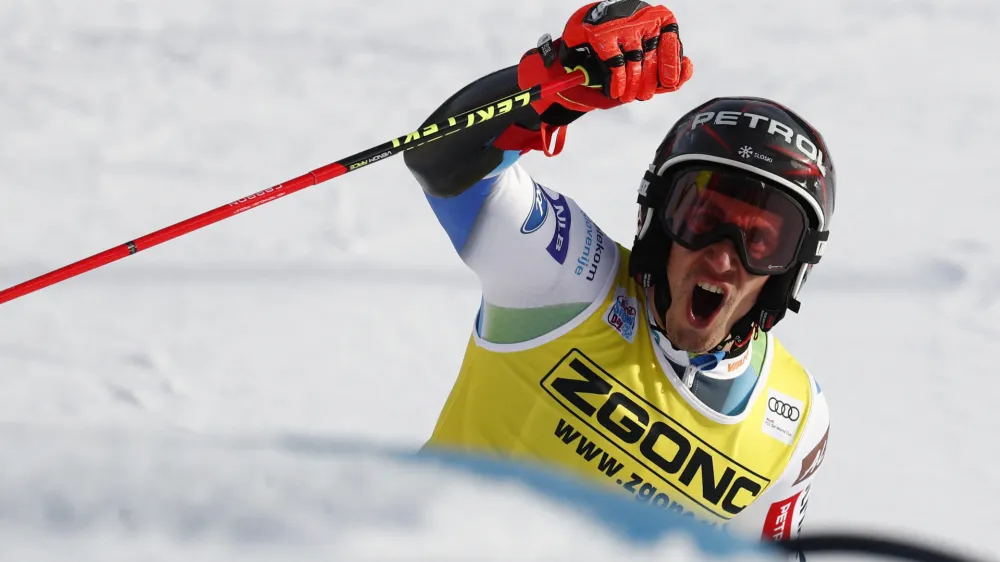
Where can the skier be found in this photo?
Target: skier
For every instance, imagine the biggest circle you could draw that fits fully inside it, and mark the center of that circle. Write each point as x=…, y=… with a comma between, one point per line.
x=652, y=369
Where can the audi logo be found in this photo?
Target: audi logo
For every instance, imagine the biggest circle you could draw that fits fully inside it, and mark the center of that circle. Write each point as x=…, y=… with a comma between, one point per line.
x=784, y=410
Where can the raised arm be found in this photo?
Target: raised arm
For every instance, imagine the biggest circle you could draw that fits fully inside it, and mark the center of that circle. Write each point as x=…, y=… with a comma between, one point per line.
x=530, y=245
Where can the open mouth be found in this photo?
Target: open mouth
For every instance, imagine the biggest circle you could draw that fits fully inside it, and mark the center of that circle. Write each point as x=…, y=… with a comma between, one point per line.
x=706, y=300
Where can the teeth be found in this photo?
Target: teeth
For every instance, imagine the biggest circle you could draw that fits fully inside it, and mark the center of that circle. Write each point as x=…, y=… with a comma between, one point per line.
x=710, y=288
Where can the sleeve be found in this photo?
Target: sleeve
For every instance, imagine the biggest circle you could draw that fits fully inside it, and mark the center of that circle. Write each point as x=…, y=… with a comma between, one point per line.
x=454, y=164
x=529, y=245
x=779, y=513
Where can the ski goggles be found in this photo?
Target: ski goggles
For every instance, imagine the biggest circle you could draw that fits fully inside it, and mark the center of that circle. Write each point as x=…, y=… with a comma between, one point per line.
x=768, y=227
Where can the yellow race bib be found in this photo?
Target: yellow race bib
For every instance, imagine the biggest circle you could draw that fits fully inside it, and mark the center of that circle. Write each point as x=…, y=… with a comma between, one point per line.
x=593, y=399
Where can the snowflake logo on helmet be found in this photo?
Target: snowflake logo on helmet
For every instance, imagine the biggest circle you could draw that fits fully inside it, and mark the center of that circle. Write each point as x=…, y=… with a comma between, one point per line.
x=746, y=151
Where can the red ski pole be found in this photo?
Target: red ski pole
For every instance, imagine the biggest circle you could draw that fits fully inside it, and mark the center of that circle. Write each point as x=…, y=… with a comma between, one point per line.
x=383, y=151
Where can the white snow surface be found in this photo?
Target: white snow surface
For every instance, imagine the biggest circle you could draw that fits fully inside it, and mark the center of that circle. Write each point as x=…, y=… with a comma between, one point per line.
x=141, y=404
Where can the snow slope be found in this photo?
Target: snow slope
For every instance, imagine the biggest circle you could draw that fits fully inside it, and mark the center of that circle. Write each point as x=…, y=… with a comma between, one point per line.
x=120, y=496
x=342, y=312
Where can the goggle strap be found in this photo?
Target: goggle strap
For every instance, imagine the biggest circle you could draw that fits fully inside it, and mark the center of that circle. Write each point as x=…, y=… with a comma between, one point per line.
x=651, y=191
x=649, y=256
x=812, y=246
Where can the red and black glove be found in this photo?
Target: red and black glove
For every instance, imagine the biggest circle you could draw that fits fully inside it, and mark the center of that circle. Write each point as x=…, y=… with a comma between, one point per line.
x=629, y=51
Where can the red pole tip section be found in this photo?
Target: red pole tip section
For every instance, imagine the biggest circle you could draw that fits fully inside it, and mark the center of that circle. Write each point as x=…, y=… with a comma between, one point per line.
x=319, y=175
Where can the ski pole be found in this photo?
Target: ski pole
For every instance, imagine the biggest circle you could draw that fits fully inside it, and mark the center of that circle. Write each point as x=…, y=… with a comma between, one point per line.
x=383, y=151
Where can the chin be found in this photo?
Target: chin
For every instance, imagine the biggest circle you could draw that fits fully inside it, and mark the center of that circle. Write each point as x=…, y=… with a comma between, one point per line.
x=693, y=340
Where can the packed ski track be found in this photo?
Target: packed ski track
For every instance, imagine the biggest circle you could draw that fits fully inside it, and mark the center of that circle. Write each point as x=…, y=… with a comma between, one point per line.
x=148, y=407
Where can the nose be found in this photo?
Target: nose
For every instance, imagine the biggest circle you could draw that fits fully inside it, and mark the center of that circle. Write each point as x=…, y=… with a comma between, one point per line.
x=721, y=256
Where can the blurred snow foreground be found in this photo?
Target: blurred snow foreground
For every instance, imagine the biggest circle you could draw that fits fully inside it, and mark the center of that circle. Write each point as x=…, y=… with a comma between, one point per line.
x=180, y=497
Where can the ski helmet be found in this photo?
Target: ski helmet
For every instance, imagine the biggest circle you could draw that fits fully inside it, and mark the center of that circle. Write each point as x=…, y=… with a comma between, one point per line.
x=767, y=147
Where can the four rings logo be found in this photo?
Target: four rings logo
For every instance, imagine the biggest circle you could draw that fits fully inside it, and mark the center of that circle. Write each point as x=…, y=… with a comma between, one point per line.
x=781, y=420
x=783, y=409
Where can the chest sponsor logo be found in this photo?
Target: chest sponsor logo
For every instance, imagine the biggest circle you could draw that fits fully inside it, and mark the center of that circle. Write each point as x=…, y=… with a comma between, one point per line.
x=782, y=416
x=542, y=206
x=778, y=524
x=667, y=454
x=737, y=364
x=623, y=313
x=814, y=459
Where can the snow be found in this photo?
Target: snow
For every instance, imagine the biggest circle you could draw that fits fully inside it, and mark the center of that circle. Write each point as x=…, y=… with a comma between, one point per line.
x=175, y=496
x=342, y=312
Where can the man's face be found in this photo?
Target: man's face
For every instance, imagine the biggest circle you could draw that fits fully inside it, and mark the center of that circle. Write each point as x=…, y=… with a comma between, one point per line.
x=710, y=289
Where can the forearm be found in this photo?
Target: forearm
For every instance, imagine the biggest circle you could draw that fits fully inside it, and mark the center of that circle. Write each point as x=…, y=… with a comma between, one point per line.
x=449, y=166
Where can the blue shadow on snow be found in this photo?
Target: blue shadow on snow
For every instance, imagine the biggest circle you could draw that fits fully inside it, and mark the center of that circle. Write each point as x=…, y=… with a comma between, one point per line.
x=634, y=522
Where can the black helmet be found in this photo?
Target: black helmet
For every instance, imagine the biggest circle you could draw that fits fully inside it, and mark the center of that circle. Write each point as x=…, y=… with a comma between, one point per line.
x=770, y=148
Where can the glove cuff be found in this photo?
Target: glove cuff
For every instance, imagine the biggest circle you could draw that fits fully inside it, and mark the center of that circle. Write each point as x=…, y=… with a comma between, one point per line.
x=540, y=65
